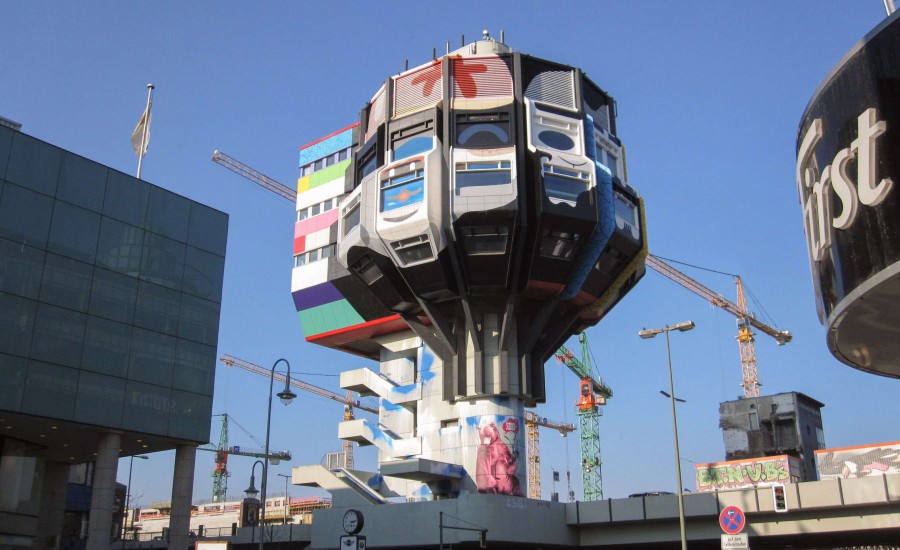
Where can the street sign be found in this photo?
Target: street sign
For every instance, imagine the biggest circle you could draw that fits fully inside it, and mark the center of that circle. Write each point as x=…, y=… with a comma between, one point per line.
x=353, y=542
x=739, y=541
x=732, y=520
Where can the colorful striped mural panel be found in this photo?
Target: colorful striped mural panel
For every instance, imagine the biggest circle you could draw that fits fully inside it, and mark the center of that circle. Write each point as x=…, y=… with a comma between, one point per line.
x=299, y=244
x=327, y=145
x=316, y=296
x=328, y=317
x=316, y=223
x=326, y=175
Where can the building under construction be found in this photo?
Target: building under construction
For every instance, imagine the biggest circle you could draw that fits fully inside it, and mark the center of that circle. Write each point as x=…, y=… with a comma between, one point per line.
x=781, y=424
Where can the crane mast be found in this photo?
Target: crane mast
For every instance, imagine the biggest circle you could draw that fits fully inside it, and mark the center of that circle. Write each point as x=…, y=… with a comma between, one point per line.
x=223, y=450
x=220, y=472
x=593, y=393
x=745, y=321
x=533, y=442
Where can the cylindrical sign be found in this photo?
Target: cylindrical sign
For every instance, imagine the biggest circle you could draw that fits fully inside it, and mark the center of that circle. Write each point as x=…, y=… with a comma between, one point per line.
x=848, y=161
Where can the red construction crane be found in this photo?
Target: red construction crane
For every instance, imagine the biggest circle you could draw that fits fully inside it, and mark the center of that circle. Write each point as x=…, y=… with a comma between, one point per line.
x=746, y=320
x=220, y=472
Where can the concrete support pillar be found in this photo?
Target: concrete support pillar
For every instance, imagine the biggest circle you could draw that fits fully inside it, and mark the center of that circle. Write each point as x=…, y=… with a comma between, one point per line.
x=182, y=493
x=53, y=506
x=103, y=492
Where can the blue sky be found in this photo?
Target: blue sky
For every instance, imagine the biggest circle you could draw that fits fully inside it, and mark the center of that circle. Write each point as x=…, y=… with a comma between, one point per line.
x=709, y=93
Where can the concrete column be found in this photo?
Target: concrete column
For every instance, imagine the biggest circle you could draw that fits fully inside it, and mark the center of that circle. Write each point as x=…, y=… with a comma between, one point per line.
x=182, y=493
x=53, y=506
x=103, y=492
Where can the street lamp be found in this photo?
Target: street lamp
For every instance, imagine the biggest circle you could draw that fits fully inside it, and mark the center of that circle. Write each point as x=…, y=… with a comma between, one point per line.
x=286, y=497
x=286, y=396
x=128, y=495
x=251, y=491
x=650, y=333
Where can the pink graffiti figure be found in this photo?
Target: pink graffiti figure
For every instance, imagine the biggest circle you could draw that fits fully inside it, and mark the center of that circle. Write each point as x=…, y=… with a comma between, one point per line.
x=496, y=465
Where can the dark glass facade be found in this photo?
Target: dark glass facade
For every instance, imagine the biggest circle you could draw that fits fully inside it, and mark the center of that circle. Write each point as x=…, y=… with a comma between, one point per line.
x=110, y=292
x=847, y=170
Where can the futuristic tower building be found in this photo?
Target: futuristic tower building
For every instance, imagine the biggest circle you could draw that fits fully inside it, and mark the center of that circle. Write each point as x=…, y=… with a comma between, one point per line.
x=475, y=218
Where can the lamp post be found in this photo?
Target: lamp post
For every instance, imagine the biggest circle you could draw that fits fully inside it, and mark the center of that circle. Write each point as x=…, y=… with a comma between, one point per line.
x=286, y=396
x=287, y=498
x=251, y=491
x=128, y=495
x=650, y=333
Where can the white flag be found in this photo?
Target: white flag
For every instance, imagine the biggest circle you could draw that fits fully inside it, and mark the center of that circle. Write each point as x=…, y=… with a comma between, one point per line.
x=142, y=130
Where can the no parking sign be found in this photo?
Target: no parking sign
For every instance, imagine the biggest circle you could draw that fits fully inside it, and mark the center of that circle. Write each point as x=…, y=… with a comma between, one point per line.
x=732, y=520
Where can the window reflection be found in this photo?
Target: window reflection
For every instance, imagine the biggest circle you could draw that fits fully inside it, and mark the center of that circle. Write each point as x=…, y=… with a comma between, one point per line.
x=16, y=324
x=34, y=164
x=199, y=320
x=13, y=371
x=113, y=296
x=100, y=399
x=74, y=232
x=58, y=335
x=147, y=407
x=66, y=283
x=162, y=261
x=20, y=269
x=107, y=347
x=152, y=357
x=82, y=182
x=50, y=390
x=120, y=247
x=25, y=216
x=157, y=308
x=189, y=415
x=194, y=367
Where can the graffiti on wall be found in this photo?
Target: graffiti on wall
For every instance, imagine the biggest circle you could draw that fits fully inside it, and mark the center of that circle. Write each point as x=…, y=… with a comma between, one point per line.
x=742, y=474
x=497, y=460
x=868, y=460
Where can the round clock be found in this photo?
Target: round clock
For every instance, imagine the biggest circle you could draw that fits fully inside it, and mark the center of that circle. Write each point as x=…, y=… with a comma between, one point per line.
x=353, y=522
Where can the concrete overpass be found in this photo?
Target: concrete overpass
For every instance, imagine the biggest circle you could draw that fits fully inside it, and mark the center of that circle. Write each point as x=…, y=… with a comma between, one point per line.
x=851, y=512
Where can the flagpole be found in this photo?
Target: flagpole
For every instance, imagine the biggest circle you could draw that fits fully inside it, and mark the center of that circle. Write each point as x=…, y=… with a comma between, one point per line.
x=146, y=129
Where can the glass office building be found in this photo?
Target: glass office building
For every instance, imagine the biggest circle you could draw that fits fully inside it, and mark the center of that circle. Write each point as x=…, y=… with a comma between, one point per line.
x=110, y=292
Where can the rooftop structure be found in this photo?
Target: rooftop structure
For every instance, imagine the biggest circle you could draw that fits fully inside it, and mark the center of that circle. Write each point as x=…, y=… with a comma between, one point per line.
x=771, y=425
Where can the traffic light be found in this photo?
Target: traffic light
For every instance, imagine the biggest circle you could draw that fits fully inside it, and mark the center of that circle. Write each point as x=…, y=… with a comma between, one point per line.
x=780, y=498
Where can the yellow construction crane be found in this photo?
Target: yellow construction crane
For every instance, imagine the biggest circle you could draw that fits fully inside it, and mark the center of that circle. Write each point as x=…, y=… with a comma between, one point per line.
x=346, y=399
x=533, y=442
x=750, y=377
x=255, y=176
